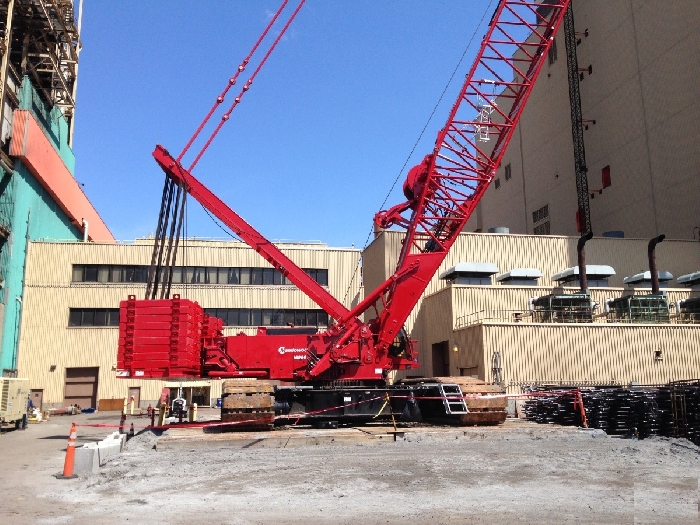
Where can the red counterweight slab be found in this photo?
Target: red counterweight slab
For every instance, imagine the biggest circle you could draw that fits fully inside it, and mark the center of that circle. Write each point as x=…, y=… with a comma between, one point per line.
x=162, y=338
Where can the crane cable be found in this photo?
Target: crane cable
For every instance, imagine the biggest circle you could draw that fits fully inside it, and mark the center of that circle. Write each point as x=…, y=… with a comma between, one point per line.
x=420, y=136
x=231, y=81
x=172, y=215
x=247, y=85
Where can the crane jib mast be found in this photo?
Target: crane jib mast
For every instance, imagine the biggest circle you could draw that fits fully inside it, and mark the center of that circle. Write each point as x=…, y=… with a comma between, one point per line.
x=441, y=193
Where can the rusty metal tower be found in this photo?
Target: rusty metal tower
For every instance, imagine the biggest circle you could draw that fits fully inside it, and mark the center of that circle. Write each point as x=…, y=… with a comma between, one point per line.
x=40, y=39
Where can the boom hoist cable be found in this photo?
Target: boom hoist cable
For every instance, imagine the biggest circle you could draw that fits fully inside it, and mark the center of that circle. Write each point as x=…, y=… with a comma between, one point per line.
x=174, y=198
x=444, y=189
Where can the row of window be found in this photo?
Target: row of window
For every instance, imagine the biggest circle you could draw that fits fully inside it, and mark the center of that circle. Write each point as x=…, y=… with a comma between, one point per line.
x=269, y=317
x=93, y=317
x=230, y=316
x=130, y=273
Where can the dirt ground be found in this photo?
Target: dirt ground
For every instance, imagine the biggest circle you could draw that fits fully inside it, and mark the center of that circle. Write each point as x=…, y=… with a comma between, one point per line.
x=517, y=473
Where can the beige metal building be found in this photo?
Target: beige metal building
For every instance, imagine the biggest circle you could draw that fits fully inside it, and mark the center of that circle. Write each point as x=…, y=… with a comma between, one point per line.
x=69, y=325
x=472, y=330
x=643, y=96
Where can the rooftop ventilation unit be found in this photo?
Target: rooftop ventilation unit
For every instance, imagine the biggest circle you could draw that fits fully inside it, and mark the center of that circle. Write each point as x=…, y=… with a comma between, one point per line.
x=563, y=308
x=478, y=273
x=520, y=277
x=691, y=280
x=643, y=280
x=597, y=275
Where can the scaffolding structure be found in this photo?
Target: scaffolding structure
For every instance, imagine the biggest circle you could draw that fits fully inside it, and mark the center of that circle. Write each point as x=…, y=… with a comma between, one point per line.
x=40, y=39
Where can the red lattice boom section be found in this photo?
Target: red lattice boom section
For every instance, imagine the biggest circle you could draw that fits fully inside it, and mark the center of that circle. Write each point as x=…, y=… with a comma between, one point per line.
x=470, y=147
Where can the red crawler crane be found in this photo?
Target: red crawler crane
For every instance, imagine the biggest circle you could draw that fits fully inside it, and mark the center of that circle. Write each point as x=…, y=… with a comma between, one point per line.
x=441, y=194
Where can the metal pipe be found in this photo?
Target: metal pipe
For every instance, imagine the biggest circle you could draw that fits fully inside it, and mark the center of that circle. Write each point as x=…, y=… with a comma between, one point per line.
x=653, y=270
x=85, y=230
x=582, y=277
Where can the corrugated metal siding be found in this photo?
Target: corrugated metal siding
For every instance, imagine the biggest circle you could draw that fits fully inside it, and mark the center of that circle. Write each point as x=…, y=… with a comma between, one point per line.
x=470, y=343
x=341, y=263
x=451, y=308
x=592, y=353
x=550, y=254
x=472, y=304
x=47, y=340
x=433, y=324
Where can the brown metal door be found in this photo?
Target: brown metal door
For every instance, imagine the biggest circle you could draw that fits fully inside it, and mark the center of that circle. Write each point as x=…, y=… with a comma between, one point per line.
x=135, y=392
x=37, y=397
x=81, y=387
x=441, y=359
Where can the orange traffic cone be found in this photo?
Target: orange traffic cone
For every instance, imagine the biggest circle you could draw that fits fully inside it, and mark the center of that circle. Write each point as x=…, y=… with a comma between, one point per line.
x=70, y=457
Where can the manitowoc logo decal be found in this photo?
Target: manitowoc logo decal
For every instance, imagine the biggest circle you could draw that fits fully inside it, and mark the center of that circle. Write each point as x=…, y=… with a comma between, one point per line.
x=282, y=350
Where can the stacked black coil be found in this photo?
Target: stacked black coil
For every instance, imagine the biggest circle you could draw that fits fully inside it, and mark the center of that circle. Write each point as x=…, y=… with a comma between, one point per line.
x=672, y=410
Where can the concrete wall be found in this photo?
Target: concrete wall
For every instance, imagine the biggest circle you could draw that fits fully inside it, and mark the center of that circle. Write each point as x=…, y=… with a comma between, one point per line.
x=643, y=95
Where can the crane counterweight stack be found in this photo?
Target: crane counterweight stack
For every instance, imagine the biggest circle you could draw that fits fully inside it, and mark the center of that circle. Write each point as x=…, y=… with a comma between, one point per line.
x=441, y=193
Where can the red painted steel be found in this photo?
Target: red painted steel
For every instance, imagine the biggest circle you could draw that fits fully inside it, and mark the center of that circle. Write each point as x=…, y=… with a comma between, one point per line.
x=444, y=189
x=441, y=194
x=160, y=338
x=36, y=152
x=248, y=234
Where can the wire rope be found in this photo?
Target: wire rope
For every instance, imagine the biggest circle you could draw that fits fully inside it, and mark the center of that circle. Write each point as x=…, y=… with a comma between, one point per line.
x=420, y=136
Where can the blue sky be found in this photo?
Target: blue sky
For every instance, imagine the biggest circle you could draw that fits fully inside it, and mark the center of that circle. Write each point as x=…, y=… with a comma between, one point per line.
x=313, y=149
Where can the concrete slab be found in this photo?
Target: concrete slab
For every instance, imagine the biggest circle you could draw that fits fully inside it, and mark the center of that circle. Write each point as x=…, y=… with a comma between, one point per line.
x=108, y=451
x=86, y=460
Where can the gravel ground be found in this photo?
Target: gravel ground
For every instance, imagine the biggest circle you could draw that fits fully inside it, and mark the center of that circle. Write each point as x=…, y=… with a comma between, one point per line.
x=517, y=473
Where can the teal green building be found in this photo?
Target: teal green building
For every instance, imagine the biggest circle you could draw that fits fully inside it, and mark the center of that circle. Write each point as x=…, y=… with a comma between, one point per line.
x=30, y=206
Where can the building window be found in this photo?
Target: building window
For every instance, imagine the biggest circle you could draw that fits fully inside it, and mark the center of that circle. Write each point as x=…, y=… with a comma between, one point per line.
x=540, y=214
x=497, y=182
x=103, y=273
x=93, y=317
x=540, y=219
x=269, y=317
x=552, y=55
x=542, y=229
x=508, y=171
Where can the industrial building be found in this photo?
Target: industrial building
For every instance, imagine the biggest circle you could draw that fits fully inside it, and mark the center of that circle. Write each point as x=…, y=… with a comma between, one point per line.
x=638, y=72
x=483, y=326
x=70, y=324
x=39, y=196
x=481, y=314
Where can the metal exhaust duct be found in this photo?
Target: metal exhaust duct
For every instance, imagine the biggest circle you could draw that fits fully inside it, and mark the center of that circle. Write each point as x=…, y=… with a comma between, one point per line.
x=653, y=270
x=582, y=277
